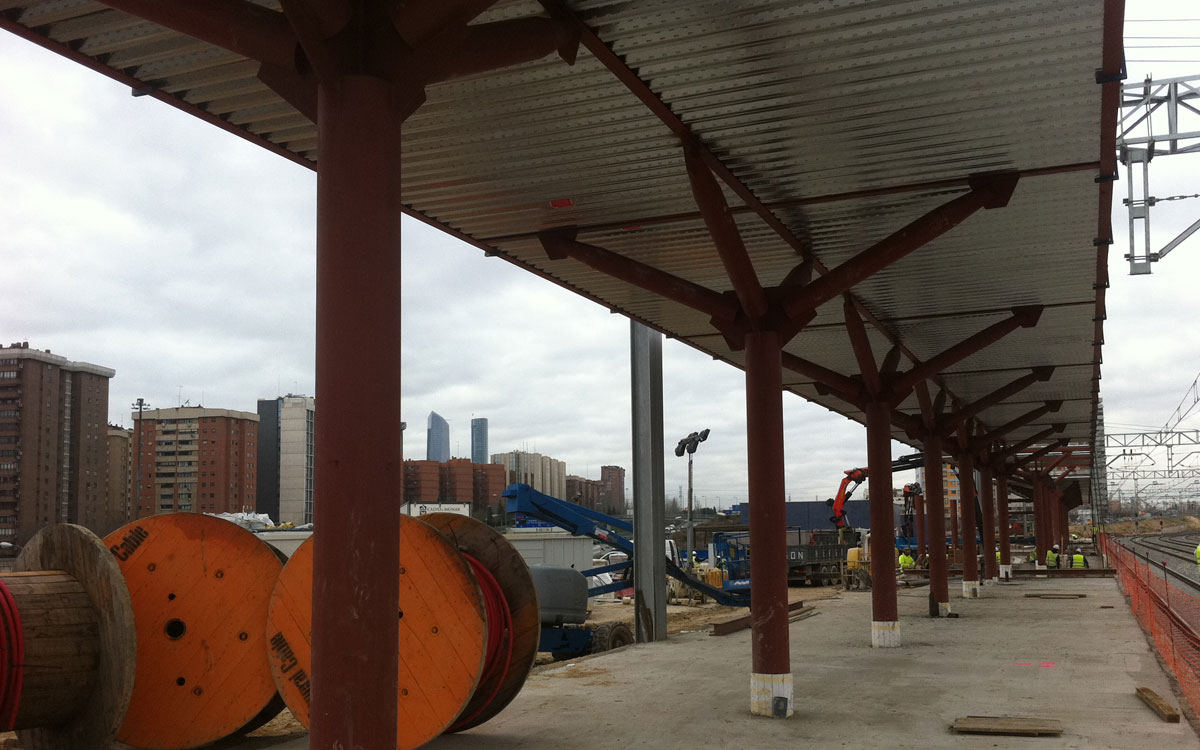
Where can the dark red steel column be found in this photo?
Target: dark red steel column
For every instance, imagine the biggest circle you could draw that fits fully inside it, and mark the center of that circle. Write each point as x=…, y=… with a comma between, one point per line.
x=1064, y=524
x=966, y=472
x=885, y=625
x=919, y=521
x=1004, y=529
x=935, y=497
x=771, y=678
x=991, y=566
x=954, y=538
x=1041, y=529
x=358, y=438
x=1054, y=516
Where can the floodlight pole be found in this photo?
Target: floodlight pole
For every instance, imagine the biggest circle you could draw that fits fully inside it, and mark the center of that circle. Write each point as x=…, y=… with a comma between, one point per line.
x=137, y=429
x=691, y=533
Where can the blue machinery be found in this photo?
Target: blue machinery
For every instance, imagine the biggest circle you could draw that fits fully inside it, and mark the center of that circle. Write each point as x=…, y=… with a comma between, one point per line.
x=582, y=521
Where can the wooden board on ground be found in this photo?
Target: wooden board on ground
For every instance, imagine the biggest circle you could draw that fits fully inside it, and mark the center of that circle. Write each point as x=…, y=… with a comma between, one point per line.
x=803, y=614
x=1010, y=725
x=733, y=625
x=1165, y=710
x=1055, y=595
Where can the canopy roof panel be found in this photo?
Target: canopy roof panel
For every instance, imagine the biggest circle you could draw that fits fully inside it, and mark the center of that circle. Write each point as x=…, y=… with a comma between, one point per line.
x=846, y=119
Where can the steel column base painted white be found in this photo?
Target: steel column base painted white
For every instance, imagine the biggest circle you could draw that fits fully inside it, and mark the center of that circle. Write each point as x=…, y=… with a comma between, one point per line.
x=771, y=695
x=970, y=589
x=1005, y=572
x=885, y=634
x=943, y=609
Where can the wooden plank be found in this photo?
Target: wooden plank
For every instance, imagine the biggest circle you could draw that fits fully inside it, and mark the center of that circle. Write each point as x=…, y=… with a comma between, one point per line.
x=1007, y=725
x=1165, y=710
x=803, y=614
x=1055, y=595
x=733, y=625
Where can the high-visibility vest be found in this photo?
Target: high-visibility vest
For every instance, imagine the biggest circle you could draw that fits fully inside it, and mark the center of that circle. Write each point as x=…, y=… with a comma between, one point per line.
x=1051, y=559
x=997, y=555
x=906, y=562
x=1076, y=561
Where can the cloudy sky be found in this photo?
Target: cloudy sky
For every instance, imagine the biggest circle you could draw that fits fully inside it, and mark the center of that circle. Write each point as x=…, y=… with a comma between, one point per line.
x=136, y=237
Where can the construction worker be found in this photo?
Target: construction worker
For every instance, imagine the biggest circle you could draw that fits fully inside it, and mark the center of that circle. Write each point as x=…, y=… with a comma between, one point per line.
x=1052, y=557
x=1198, y=557
x=906, y=561
x=997, y=554
x=1078, y=560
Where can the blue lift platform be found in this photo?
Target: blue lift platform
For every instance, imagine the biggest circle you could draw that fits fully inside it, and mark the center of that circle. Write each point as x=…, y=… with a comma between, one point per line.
x=580, y=521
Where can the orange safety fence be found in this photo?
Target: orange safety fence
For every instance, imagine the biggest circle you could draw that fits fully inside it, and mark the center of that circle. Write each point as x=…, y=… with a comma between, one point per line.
x=1167, y=606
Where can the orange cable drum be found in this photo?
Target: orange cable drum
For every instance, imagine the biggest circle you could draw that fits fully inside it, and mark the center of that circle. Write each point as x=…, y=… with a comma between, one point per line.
x=200, y=588
x=442, y=633
x=501, y=559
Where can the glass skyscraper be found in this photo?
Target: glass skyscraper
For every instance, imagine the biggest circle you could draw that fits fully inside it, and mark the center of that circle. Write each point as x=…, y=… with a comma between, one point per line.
x=479, y=443
x=437, y=439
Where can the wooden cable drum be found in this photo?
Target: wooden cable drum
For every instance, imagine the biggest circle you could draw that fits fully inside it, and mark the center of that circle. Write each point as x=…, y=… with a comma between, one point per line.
x=442, y=636
x=200, y=587
x=67, y=643
x=489, y=548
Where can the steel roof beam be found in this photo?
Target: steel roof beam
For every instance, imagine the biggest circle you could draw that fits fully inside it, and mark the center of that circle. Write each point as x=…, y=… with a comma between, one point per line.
x=862, y=350
x=725, y=235
x=988, y=191
x=1029, y=442
x=1022, y=317
x=980, y=442
x=1020, y=463
x=241, y=27
x=561, y=243
x=1000, y=394
x=846, y=388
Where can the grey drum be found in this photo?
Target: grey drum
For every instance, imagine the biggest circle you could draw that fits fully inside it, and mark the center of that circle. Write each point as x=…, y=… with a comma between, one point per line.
x=562, y=594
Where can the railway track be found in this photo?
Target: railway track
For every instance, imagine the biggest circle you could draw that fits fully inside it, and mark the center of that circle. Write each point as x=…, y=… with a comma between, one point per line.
x=1176, y=553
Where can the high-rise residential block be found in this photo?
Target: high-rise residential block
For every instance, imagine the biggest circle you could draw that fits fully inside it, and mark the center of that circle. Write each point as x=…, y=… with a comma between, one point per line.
x=456, y=481
x=584, y=492
x=543, y=473
x=437, y=438
x=950, y=485
x=53, y=441
x=119, y=504
x=195, y=459
x=422, y=480
x=286, y=447
x=612, y=489
x=489, y=483
x=479, y=440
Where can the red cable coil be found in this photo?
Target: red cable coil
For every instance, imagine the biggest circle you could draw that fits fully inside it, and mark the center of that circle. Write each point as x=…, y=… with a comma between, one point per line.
x=12, y=658
x=497, y=658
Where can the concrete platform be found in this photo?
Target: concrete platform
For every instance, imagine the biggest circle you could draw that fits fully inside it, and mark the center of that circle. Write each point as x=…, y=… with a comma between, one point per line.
x=1068, y=659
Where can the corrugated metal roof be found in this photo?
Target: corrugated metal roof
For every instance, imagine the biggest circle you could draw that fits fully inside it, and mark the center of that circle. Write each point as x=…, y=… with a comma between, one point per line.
x=894, y=102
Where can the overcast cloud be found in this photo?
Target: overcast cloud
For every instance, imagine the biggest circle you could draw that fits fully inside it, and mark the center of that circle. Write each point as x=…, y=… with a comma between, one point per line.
x=142, y=239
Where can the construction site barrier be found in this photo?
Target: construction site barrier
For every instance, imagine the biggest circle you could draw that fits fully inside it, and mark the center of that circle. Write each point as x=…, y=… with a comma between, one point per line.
x=1167, y=606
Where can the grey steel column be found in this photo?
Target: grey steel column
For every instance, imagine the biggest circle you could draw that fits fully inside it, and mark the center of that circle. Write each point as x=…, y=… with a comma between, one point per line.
x=649, y=515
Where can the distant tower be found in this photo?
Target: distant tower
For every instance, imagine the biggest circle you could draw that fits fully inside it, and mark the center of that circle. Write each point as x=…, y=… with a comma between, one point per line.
x=479, y=446
x=437, y=439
